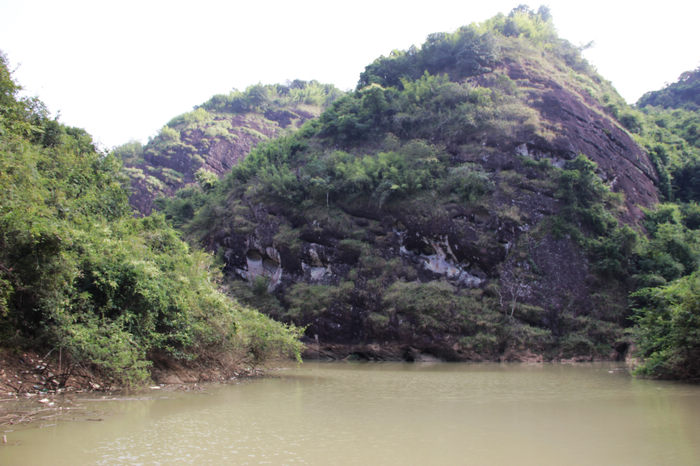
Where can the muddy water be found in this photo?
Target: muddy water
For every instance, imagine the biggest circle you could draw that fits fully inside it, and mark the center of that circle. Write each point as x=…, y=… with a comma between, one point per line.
x=386, y=414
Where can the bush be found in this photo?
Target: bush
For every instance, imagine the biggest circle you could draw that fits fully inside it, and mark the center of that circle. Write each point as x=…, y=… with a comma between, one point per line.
x=467, y=182
x=264, y=339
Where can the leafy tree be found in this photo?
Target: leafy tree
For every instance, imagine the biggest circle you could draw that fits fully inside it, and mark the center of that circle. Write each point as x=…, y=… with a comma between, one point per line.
x=668, y=329
x=466, y=52
x=669, y=127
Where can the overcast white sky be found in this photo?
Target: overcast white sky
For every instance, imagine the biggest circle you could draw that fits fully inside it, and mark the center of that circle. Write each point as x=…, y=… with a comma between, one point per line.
x=122, y=69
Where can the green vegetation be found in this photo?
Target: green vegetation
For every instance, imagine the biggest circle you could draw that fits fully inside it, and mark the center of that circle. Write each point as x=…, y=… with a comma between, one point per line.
x=472, y=50
x=667, y=330
x=79, y=274
x=439, y=205
x=660, y=267
x=261, y=98
x=684, y=93
x=665, y=305
x=670, y=136
x=402, y=163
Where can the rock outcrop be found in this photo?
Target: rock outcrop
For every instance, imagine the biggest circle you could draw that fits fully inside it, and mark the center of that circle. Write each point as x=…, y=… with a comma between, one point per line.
x=162, y=173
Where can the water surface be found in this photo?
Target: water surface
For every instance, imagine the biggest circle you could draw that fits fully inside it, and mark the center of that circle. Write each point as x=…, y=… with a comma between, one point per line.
x=387, y=413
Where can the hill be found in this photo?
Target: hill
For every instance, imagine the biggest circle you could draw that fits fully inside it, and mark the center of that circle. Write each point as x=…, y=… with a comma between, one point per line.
x=474, y=198
x=486, y=196
x=216, y=135
x=667, y=123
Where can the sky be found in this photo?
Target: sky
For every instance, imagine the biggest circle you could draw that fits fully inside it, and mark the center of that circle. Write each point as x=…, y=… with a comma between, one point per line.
x=123, y=69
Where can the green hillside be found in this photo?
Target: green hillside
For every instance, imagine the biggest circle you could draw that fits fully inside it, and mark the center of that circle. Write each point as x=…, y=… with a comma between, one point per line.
x=668, y=315
x=80, y=277
x=684, y=93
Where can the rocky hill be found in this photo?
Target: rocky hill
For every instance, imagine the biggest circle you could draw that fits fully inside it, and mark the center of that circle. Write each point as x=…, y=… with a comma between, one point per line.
x=216, y=135
x=479, y=197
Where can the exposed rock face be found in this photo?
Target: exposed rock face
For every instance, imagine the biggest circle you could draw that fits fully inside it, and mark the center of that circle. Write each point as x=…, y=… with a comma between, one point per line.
x=583, y=130
x=441, y=261
x=153, y=176
x=582, y=126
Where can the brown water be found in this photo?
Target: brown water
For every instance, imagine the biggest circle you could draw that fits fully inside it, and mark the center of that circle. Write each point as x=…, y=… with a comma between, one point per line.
x=389, y=413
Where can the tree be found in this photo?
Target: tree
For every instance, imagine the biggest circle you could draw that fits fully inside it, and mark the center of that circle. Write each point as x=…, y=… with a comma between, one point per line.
x=668, y=329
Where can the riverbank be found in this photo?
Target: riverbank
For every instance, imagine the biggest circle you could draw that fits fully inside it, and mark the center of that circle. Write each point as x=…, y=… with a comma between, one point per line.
x=402, y=352
x=31, y=374
x=35, y=386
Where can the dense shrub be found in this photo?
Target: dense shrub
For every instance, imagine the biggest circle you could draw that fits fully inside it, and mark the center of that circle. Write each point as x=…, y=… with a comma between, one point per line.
x=667, y=331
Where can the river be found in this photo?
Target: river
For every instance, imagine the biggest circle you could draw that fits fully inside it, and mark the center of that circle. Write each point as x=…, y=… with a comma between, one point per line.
x=383, y=413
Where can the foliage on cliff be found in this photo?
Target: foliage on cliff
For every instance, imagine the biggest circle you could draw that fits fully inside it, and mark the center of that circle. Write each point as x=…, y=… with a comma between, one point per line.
x=466, y=200
x=216, y=135
x=667, y=124
x=79, y=274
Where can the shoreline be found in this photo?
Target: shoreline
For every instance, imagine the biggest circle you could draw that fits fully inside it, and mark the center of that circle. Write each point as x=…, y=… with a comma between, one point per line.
x=28, y=372
x=404, y=352
x=30, y=388
x=29, y=375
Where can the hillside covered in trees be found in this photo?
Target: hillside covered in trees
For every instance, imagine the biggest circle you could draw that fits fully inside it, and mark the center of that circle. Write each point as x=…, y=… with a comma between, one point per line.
x=684, y=93
x=668, y=314
x=82, y=279
x=484, y=196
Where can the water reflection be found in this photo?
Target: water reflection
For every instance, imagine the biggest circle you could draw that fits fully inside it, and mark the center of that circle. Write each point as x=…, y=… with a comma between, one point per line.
x=391, y=414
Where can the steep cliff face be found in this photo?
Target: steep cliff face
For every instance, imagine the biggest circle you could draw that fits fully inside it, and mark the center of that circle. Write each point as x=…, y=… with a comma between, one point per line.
x=582, y=126
x=471, y=200
x=216, y=136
